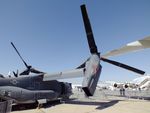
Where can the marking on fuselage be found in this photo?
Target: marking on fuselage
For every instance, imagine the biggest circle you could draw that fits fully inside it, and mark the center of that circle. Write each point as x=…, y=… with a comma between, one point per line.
x=95, y=69
x=14, y=81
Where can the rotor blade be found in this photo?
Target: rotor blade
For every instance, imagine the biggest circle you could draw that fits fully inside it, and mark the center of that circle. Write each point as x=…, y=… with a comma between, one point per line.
x=130, y=47
x=19, y=55
x=123, y=66
x=15, y=74
x=83, y=64
x=88, y=29
x=25, y=72
x=35, y=71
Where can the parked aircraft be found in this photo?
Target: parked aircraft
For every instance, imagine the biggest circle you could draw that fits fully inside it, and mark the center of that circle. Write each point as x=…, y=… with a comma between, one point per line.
x=142, y=82
x=42, y=87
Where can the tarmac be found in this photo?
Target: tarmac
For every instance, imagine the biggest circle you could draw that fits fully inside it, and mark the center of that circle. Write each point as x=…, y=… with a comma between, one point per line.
x=99, y=103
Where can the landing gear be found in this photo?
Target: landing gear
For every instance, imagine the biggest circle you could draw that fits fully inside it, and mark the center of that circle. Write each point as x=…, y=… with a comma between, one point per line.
x=39, y=106
x=40, y=103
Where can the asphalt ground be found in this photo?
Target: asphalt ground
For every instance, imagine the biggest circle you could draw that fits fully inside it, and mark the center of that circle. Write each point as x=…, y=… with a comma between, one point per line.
x=104, y=101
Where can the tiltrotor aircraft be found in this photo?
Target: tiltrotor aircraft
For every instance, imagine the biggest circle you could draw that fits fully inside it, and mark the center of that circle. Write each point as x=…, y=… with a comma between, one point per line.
x=41, y=86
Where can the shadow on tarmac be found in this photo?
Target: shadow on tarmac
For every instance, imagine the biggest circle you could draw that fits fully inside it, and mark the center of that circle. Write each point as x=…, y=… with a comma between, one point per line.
x=101, y=105
x=21, y=107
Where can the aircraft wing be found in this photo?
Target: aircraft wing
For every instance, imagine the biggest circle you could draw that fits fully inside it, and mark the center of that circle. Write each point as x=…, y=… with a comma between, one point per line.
x=63, y=75
x=130, y=47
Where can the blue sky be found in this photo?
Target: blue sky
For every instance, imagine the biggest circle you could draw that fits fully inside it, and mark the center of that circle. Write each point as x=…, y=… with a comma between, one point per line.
x=50, y=34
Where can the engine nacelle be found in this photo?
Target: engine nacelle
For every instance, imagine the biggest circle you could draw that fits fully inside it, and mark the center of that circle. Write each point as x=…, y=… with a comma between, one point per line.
x=121, y=85
x=92, y=74
x=126, y=86
x=115, y=85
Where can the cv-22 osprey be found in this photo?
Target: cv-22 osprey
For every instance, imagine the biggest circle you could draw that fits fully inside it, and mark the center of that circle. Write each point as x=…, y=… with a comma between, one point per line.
x=41, y=86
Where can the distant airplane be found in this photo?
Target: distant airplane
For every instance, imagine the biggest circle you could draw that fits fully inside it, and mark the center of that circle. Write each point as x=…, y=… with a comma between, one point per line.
x=142, y=82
